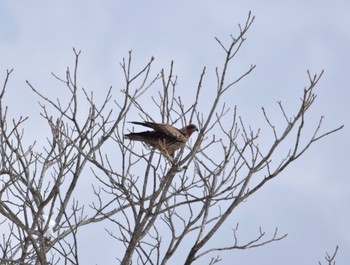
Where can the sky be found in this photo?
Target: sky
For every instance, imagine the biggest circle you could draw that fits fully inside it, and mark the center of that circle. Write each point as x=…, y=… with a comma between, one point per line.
x=310, y=200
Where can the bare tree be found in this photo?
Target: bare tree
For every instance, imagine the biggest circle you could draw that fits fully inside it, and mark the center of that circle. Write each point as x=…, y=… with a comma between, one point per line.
x=157, y=206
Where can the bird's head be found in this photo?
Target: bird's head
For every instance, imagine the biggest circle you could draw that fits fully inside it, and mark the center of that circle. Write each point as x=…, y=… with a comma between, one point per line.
x=191, y=128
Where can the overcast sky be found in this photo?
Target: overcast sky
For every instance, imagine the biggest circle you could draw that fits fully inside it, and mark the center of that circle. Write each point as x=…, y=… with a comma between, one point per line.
x=310, y=200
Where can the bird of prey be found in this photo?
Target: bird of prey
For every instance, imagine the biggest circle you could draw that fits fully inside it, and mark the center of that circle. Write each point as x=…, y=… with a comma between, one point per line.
x=164, y=137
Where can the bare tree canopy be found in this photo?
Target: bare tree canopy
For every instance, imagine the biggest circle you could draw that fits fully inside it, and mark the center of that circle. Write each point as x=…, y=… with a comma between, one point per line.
x=154, y=204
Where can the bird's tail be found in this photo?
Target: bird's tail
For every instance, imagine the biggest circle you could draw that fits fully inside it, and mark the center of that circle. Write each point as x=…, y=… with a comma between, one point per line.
x=140, y=136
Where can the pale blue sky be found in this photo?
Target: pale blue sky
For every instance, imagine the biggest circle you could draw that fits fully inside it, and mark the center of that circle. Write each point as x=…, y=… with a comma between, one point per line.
x=310, y=200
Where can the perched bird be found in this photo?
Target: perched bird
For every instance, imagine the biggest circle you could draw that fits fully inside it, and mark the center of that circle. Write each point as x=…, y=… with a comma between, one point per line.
x=164, y=137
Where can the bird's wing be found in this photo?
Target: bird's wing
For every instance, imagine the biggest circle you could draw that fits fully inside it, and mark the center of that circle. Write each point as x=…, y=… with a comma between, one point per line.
x=166, y=144
x=167, y=129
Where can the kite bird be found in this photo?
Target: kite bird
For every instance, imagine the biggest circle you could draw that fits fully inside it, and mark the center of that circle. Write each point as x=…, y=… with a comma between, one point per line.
x=164, y=137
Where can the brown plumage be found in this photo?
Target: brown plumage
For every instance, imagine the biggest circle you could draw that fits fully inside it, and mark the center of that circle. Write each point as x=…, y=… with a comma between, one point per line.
x=164, y=137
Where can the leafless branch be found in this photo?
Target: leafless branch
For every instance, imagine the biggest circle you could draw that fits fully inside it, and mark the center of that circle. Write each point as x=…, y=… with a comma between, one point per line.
x=330, y=258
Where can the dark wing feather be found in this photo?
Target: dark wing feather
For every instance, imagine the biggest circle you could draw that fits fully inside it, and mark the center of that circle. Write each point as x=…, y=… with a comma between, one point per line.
x=167, y=129
x=149, y=137
x=157, y=139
